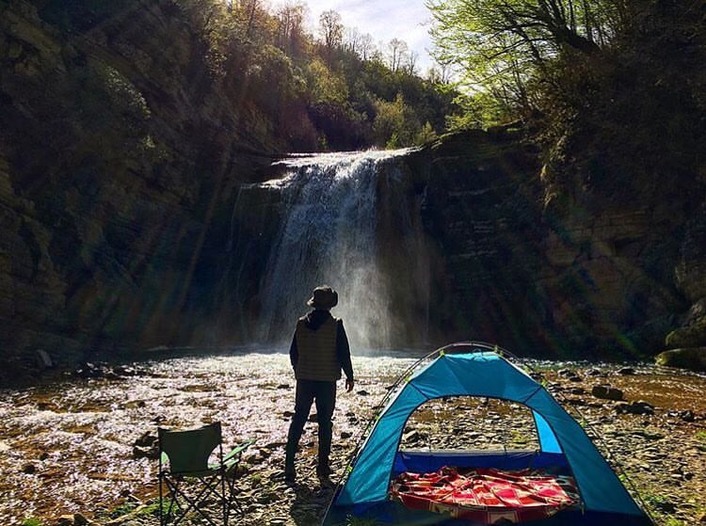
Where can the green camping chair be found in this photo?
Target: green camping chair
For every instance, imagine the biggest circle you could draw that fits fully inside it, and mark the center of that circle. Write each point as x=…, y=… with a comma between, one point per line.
x=192, y=482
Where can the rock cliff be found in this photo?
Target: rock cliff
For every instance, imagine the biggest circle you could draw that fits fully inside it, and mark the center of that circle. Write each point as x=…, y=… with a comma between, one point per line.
x=541, y=267
x=115, y=147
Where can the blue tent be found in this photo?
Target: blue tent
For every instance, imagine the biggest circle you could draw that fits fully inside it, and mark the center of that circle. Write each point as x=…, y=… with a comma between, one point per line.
x=480, y=370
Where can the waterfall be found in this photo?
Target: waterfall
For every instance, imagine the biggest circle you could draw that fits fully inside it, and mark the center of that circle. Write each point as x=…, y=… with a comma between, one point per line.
x=330, y=234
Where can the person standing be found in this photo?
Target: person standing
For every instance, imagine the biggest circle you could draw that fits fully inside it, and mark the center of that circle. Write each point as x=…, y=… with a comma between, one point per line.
x=318, y=352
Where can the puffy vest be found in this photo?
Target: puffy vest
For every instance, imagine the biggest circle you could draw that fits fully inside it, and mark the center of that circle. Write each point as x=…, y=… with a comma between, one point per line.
x=317, y=352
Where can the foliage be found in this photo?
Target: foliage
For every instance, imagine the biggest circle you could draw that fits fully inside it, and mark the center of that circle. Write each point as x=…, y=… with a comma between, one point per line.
x=516, y=52
x=32, y=521
x=311, y=94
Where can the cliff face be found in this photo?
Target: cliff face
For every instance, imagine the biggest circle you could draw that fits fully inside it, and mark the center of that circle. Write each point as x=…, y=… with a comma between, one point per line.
x=481, y=209
x=114, y=149
x=543, y=264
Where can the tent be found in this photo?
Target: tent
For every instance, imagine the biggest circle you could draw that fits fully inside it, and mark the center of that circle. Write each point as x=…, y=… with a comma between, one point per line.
x=476, y=369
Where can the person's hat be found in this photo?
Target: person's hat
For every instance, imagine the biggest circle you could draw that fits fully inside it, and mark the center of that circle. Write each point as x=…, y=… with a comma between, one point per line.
x=323, y=297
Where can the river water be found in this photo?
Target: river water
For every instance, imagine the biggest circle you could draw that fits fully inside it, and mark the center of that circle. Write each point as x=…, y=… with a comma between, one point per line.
x=67, y=447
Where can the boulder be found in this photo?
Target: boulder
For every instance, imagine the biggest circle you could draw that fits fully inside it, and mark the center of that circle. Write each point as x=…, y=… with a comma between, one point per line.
x=607, y=392
x=691, y=335
x=692, y=358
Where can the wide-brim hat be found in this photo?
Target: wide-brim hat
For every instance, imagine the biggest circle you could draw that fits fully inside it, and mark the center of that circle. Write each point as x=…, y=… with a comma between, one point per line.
x=323, y=297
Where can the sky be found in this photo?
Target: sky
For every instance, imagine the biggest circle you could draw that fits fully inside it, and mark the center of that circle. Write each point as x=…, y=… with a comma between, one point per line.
x=406, y=20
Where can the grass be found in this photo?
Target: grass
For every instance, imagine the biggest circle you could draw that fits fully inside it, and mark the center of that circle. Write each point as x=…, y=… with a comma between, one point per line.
x=134, y=510
x=32, y=521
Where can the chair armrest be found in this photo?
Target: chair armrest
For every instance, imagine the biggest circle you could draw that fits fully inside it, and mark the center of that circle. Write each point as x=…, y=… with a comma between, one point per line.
x=238, y=450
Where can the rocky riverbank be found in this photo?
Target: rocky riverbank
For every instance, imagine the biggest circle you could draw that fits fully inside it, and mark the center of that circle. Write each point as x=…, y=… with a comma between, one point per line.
x=81, y=451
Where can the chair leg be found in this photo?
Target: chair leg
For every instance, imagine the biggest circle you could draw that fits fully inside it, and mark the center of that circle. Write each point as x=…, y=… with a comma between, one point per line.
x=183, y=499
x=161, y=501
x=173, y=488
x=232, y=499
x=226, y=508
x=175, y=506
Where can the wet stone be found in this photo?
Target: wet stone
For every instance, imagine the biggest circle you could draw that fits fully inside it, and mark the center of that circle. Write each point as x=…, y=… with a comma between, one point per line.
x=607, y=392
x=635, y=408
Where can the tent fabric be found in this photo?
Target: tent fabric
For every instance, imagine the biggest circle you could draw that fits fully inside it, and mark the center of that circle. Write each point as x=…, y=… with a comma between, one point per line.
x=425, y=461
x=484, y=374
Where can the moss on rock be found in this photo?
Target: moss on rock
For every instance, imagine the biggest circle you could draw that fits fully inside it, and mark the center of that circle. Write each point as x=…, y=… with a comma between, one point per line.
x=692, y=358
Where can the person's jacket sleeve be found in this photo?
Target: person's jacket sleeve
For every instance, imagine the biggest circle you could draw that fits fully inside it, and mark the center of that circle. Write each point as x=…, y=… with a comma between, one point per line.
x=294, y=352
x=343, y=350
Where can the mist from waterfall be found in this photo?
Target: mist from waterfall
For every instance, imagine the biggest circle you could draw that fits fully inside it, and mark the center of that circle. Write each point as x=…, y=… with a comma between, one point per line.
x=328, y=235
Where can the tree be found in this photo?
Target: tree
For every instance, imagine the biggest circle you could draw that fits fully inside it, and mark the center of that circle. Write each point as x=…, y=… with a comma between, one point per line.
x=352, y=40
x=396, y=124
x=331, y=29
x=366, y=46
x=411, y=65
x=397, y=51
x=502, y=46
x=290, y=27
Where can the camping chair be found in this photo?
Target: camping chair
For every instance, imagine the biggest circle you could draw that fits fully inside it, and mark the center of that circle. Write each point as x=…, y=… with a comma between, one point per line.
x=192, y=481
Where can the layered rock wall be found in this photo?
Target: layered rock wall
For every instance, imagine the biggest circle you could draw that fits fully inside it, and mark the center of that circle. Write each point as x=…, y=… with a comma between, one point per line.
x=556, y=270
x=114, y=151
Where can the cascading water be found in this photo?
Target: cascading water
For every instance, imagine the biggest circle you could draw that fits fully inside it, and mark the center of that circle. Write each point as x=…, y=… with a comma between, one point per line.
x=331, y=232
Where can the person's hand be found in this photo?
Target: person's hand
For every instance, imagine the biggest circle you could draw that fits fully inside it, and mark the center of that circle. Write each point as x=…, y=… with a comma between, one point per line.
x=349, y=385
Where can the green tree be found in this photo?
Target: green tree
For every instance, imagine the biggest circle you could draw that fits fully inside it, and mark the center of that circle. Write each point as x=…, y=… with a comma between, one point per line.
x=425, y=135
x=331, y=29
x=290, y=34
x=395, y=124
x=504, y=47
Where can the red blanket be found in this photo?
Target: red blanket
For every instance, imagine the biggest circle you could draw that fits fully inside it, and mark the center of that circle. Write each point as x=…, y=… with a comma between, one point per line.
x=486, y=495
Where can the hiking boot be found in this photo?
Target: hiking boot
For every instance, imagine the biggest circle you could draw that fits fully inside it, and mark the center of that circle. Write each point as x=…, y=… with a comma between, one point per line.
x=323, y=471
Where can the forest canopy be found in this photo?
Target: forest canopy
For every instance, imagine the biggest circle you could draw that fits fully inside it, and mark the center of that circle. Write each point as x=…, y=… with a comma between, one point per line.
x=330, y=88
x=559, y=57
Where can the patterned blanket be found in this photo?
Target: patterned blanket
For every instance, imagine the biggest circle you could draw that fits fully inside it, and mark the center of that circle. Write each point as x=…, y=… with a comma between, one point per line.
x=487, y=496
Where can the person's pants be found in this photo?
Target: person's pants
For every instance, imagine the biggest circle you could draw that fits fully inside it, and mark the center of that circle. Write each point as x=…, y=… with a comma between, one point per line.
x=308, y=391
